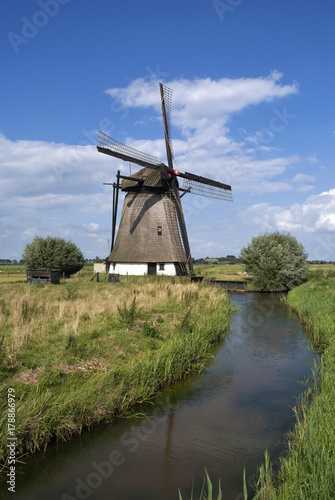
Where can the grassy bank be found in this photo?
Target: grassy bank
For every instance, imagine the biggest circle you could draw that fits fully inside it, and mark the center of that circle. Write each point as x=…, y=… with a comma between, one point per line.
x=307, y=472
x=78, y=354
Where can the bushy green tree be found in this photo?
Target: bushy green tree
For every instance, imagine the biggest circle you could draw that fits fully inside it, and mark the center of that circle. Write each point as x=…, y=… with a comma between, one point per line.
x=53, y=252
x=276, y=261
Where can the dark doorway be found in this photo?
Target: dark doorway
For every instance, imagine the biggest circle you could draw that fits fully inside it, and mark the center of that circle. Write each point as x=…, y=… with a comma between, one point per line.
x=152, y=267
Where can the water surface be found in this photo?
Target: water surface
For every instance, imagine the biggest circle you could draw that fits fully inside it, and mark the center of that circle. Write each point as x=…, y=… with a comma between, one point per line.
x=222, y=420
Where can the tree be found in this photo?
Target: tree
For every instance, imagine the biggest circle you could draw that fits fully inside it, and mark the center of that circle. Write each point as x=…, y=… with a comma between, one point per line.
x=54, y=253
x=276, y=261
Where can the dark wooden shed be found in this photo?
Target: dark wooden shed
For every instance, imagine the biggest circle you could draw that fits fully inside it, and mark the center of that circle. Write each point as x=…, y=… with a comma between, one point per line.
x=43, y=276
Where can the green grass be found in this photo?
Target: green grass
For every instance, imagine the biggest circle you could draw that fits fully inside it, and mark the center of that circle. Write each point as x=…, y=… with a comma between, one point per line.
x=10, y=274
x=307, y=471
x=78, y=354
x=221, y=271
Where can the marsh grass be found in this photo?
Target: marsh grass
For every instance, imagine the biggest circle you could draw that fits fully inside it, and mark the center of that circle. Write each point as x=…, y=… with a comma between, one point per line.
x=307, y=470
x=207, y=493
x=78, y=359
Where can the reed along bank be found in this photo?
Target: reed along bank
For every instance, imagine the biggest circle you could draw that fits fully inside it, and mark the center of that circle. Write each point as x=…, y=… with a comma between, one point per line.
x=307, y=471
x=79, y=354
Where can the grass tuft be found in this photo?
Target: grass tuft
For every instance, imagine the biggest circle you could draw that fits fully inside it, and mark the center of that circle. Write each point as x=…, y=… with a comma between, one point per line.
x=129, y=314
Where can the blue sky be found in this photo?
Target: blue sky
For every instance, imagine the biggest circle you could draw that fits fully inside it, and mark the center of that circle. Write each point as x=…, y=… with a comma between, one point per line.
x=253, y=106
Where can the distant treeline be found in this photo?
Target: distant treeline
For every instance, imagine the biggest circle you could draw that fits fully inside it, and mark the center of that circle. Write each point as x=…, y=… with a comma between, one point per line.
x=9, y=262
x=321, y=262
x=229, y=259
x=14, y=262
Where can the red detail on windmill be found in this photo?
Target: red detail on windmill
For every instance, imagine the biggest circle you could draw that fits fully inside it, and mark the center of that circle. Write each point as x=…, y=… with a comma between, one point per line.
x=175, y=172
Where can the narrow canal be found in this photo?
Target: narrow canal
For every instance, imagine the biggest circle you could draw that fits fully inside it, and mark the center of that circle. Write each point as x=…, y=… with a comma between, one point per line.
x=222, y=420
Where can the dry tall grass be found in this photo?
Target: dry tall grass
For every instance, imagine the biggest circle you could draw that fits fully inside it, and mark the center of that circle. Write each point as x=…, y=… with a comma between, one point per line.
x=30, y=312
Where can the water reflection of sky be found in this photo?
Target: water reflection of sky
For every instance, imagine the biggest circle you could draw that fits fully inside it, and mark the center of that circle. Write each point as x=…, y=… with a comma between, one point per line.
x=223, y=420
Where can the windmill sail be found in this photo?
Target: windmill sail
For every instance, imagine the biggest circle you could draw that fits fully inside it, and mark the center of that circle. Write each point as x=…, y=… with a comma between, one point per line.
x=111, y=147
x=206, y=187
x=166, y=101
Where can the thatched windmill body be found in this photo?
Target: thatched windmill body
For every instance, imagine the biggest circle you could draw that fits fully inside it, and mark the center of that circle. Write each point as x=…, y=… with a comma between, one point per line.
x=152, y=236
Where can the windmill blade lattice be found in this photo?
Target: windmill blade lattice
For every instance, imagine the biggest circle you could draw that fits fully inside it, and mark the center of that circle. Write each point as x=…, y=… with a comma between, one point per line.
x=114, y=148
x=218, y=192
x=166, y=95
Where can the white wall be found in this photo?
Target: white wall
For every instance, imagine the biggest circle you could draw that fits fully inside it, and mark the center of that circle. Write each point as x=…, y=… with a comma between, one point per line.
x=99, y=268
x=137, y=269
x=169, y=269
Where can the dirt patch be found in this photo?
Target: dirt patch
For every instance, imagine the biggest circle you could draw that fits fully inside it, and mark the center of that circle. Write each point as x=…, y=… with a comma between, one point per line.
x=29, y=377
x=84, y=366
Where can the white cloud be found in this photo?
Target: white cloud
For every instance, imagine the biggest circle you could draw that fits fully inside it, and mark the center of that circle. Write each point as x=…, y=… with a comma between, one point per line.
x=92, y=227
x=303, y=178
x=201, y=109
x=316, y=214
x=305, y=187
x=202, y=102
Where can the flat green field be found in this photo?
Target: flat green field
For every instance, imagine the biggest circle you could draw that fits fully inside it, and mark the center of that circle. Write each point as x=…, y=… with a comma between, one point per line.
x=9, y=274
x=12, y=274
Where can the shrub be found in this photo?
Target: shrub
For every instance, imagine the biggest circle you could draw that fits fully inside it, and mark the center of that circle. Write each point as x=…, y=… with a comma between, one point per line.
x=53, y=252
x=276, y=261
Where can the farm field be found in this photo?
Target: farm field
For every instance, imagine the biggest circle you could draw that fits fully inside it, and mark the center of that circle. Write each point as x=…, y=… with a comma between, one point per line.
x=12, y=274
x=223, y=272
x=60, y=342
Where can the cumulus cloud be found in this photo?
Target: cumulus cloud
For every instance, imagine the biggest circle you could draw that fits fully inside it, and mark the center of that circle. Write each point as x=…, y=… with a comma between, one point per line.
x=316, y=214
x=201, y=110
x=202, y=101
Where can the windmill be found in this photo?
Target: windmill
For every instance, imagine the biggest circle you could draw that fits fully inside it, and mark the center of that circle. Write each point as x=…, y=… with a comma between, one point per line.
x=152, y=236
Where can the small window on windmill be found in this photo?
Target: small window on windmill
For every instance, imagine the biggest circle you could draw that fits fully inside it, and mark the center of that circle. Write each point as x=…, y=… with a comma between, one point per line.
x=159, y=230
x=162, y=267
